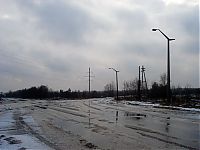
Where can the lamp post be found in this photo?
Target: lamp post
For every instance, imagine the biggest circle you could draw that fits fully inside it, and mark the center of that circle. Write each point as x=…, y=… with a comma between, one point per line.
x=116, y=71
x=168, y=64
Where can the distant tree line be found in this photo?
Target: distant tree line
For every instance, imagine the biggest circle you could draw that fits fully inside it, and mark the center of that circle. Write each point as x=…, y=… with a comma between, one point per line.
x=157, y=91
x=43, y=92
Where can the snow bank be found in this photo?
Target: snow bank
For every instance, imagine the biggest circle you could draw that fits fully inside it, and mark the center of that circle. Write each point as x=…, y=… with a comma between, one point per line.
x=160, y=106
x=141, y=103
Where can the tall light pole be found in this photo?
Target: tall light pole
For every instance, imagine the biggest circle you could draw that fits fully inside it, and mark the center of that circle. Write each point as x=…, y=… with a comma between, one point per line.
x=116, y=71
x=168, y=64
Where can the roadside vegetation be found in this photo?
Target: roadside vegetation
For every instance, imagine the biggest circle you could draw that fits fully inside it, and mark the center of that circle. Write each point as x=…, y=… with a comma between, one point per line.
x=156, y=93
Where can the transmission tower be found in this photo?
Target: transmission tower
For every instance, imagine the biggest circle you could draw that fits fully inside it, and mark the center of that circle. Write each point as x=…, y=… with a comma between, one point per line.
x=144, y=81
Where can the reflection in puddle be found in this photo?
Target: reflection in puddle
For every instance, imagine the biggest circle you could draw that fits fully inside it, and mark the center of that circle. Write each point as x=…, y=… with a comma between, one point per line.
x=111, y=124
x=167, y=124
x=89, y=114
x=135, y=115
x=116, y=116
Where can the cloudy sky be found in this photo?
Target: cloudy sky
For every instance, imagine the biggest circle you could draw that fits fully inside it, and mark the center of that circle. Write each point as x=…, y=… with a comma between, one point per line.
x=53, y=42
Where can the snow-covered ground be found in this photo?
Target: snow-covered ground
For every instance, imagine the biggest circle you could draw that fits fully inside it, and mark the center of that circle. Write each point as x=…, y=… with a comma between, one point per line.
x=11, y=138
x=24, y=141
x=160, y=106
x=112, y=101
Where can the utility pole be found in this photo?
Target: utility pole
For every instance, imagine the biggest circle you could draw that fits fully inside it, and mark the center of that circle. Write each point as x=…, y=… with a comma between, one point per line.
x=117, y=84
x=139, y=94
x=89, y=89
x=89, y=81
x=142, y=70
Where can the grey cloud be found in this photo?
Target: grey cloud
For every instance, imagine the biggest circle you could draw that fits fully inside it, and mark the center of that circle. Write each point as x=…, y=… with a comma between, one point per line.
x=182, y=19
x=53, y=35
x=62, y=22
x=189, y=21
x=50, y=62
x=132, y=19
x=56, y=64
x=148, y=51
x=151, y=6
x=191, y=48
x=185, y=25
x=16, y=68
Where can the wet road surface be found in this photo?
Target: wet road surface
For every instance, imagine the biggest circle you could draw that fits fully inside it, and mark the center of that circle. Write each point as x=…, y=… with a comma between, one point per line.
x=105, y=124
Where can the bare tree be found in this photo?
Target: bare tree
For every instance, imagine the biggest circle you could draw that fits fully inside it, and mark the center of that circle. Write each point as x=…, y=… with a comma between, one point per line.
x=109, y=89
x=130, y=87
x=133, y=84
x=126, y=86
x=163, y=79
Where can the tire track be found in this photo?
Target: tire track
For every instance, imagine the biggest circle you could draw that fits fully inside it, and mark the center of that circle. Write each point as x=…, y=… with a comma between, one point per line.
x=156, y=137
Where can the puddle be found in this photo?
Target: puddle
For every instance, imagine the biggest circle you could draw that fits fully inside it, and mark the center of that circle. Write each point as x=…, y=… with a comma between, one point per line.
x=134, y=115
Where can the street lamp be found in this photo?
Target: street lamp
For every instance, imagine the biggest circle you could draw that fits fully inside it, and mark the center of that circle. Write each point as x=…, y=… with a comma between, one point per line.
x=168, y=64
x=116, y=71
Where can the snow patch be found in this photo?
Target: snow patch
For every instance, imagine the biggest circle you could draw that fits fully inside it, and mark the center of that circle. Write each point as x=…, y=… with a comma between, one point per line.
x=27, y=142
x=160, y=106
x=6, y=120
x=141, y=103
x=14, y=142
x=30, y=121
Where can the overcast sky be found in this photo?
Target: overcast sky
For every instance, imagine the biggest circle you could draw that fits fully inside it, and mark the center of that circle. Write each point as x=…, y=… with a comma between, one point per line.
x=53, y=42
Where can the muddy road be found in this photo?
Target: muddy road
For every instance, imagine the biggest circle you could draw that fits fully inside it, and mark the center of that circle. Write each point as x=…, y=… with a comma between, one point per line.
x=95, y=124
